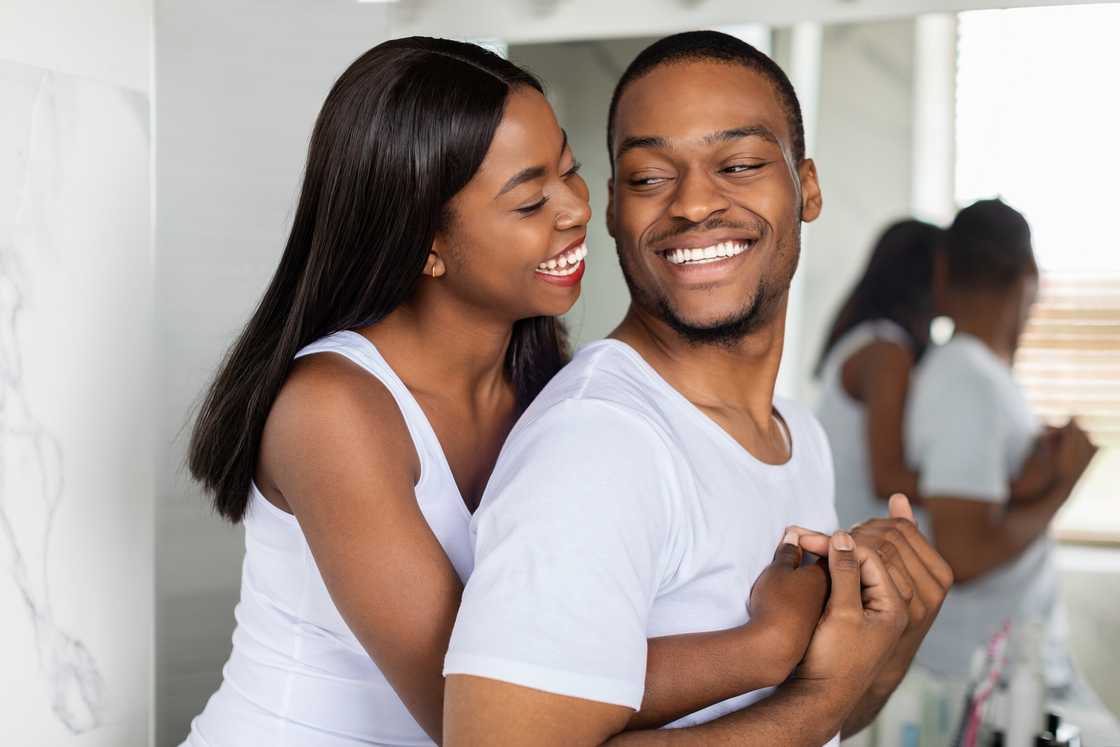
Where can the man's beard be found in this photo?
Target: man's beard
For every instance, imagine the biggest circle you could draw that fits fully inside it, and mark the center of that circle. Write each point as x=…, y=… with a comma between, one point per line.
x=729, y=331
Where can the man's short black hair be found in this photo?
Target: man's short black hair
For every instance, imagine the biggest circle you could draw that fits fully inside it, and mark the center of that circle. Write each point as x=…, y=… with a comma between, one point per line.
x=988, y=247
x=703, y=46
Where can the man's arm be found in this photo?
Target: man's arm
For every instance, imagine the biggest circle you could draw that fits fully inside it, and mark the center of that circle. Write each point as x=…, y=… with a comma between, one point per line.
x=976, y=536
x=861, y=625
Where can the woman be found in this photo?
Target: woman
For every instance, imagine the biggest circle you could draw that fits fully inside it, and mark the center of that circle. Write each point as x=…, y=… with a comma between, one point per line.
x=878, y=337
x=439, y=232
x=881, y=331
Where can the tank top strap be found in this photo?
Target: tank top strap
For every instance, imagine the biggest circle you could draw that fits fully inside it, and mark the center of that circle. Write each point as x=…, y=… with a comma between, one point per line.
x=361, y=351
x=863, y=334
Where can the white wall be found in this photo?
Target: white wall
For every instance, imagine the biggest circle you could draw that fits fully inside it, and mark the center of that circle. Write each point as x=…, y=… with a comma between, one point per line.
x=863, y=152
x=239, y=86
x=77, y=451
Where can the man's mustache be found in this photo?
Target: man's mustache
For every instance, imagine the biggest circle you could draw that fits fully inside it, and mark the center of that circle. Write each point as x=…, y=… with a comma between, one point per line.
x=755, y=228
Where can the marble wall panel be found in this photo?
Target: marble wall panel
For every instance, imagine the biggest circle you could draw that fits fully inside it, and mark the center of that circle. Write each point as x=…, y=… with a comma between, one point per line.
x=76, y=446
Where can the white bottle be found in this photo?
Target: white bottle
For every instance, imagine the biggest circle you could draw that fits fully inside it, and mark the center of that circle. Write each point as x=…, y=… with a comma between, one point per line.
x=1026, y=707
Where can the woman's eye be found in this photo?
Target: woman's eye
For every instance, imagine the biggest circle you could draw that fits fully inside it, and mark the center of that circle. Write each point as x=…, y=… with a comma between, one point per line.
x=530, y=209
x=576, y=166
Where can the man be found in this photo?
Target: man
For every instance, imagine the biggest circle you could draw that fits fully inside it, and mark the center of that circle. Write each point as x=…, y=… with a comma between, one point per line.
x=969, y=431
x=641, y=494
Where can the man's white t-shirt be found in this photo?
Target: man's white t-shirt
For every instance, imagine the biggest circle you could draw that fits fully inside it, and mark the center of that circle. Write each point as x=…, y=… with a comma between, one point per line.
x=618, y=511
x=969, y=430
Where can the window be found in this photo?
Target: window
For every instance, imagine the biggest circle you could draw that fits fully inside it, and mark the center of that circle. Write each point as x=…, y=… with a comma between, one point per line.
x=1038, y=123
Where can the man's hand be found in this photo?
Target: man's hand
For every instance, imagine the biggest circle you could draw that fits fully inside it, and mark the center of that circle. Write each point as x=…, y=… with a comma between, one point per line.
x=918, y=570
x=920, y=574
x=1040, y=471
x=786, y=603
x=860, y=629
x=1075, y=452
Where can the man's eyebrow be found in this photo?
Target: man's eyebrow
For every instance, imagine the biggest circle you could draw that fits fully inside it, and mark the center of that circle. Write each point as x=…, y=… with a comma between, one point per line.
x=735, y=133
x=631, y=143
x=738, y=133
x=532, y=172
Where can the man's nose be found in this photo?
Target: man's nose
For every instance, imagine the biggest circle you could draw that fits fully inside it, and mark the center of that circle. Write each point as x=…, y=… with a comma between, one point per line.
x=698, y=197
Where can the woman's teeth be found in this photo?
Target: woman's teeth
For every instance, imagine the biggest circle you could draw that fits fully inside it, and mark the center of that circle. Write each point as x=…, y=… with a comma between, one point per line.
x=712, y=253
x=566, y=264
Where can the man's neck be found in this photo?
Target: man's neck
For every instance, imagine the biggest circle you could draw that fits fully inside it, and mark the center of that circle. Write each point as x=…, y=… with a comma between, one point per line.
x=738, y=377
x=984, y=317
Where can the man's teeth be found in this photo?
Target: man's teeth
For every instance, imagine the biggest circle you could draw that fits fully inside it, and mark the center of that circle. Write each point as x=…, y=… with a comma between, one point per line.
x=712, y=253
x=566, y=264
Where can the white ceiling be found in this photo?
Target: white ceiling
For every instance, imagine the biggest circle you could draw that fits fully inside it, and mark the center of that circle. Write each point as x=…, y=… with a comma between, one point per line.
x=519, y=21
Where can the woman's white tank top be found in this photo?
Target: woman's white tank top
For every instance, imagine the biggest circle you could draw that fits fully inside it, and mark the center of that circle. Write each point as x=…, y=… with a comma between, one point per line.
x=297, y=676
x=845, y=422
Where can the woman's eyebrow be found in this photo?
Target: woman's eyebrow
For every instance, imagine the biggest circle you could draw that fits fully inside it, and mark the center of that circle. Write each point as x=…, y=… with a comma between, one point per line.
x=530, y=173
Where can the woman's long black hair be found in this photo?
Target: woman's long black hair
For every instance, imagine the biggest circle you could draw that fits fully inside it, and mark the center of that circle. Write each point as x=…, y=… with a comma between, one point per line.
x=402, y=131
x=897, y=284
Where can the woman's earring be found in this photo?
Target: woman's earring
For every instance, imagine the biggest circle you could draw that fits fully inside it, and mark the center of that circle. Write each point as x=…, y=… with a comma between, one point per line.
x=434, y=266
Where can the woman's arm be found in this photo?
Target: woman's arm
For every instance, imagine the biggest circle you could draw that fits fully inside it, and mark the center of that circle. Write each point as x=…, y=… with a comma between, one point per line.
x=685, y=673
x=878, y=375
x=336, y=447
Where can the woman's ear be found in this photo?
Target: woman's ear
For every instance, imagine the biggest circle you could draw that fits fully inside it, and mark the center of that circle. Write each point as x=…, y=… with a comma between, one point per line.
x=434, y=266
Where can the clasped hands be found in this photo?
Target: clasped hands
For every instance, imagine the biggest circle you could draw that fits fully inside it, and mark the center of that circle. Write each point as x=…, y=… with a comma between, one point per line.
x=863, y=608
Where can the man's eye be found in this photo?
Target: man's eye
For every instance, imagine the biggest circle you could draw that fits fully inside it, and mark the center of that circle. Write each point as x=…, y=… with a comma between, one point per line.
x=646, y=181
x=530, y=209
x=742, y=168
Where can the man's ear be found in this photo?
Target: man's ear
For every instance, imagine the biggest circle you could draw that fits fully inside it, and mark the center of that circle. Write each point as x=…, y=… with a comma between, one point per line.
x=610, y=206
x=434, y=266
x=811, y=200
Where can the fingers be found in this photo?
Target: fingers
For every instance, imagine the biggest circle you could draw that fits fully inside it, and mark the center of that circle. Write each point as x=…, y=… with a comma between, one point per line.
x=845, y=572
x=788, y=553
x=879, y=593
x=899, y=507
x=915, y=549
x=810, y=540
x=896, y=567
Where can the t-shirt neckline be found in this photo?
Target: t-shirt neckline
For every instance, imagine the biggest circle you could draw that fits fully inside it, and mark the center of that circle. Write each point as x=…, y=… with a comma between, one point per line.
x=659, y=381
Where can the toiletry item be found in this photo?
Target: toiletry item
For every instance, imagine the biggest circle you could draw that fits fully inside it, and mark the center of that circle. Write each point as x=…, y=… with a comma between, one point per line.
x=1027, y=689
x=900, y=720
x=1058, y=733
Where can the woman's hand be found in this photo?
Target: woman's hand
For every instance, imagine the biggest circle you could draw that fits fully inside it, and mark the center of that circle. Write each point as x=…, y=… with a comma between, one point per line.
x=786, y=603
